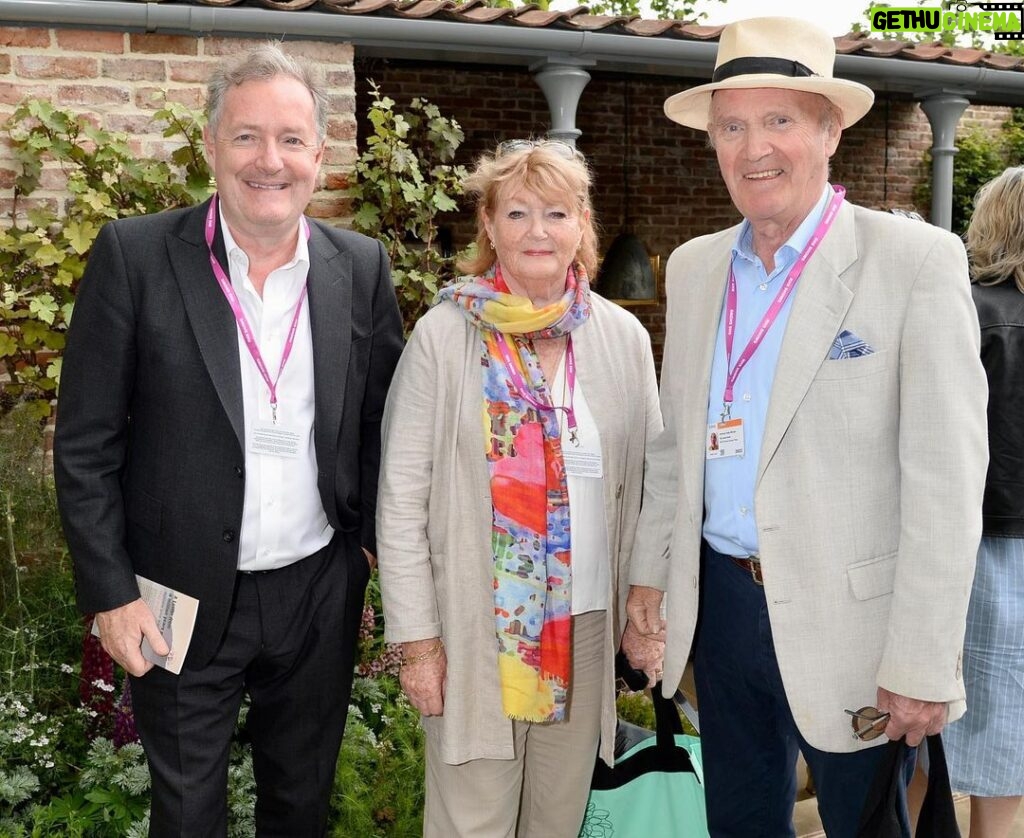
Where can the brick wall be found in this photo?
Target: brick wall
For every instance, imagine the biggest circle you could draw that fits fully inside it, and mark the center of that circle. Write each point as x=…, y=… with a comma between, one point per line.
x=661, y=184
x=120, y=79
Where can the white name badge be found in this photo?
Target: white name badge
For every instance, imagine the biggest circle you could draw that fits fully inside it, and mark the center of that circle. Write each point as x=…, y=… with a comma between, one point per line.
x=580, y=462
x=724, y=439
x=275, y=440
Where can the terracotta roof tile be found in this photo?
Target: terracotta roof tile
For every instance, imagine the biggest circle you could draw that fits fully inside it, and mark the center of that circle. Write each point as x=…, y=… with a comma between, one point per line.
x=850, y=43
x=698, y=32
x=484, y=14
x=964, y=57
x=1002, y=62
x=926, y=52
x=882, y=49
x=288, y=5
x=598, y=23
x=579, y=18
x=649, y=28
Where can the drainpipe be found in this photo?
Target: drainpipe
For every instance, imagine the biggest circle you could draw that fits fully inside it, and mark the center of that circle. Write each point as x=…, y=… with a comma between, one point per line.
x=562, y=81
x=943, y=109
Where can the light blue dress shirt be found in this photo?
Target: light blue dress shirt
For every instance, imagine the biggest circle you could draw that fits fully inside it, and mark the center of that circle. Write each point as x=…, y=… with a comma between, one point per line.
x=730, y=525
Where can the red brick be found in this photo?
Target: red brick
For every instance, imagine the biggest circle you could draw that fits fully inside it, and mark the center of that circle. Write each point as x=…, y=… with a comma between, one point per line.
x=83, y=94
x=90, y=41
x=132, y=124
x=18, y=36
x=159, y=44
x=14, y=94
x=342, y=129
x=153, y=98
x=342, y=77
x=5, y=64
x=135, y=69
x=53, y=179
x=229, y=46
x=337, y=180
x=189, y=71
x=321, y=53
x=340, y=155
x=50, y=67
x=328, y=207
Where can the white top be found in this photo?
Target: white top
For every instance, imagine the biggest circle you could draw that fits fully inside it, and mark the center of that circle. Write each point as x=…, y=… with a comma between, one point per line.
x=591, y=564
x=283, y=519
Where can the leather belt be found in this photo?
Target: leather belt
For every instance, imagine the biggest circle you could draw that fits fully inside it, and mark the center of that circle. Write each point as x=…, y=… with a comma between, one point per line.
x=751, y=564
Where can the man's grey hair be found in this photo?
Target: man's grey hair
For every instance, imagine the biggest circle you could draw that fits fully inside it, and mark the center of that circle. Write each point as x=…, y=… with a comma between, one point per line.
x=264, y=63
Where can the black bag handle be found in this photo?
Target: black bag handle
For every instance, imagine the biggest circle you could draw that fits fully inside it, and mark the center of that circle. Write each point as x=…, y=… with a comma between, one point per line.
x=880, y=817
x=667, y=720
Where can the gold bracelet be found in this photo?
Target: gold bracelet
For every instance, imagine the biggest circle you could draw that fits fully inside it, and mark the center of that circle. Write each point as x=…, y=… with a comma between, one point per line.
x=431, y=653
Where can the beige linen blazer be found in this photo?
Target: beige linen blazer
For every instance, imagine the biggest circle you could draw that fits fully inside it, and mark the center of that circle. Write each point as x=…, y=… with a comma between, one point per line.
x=434, y=507
x=869, y=486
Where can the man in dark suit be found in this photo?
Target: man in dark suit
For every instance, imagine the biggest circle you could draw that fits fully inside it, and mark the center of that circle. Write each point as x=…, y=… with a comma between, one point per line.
x=220, y=402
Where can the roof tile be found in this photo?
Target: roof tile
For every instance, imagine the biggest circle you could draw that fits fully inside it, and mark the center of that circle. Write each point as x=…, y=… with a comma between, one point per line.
x=925, y=52
x=579, y=18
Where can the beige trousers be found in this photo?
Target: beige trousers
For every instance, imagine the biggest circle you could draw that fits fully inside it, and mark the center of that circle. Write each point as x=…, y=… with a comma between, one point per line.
x=541, y=792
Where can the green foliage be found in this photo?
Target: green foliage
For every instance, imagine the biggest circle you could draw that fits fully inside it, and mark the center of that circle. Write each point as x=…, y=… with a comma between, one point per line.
x=662, y=9
x=43, y=253
x=979, y=158
x=981, y=155
x=405, y=180
x=635, y=708
x=378, y=788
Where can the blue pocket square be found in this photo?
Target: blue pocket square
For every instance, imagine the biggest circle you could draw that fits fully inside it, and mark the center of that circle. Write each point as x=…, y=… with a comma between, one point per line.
x=848, y=345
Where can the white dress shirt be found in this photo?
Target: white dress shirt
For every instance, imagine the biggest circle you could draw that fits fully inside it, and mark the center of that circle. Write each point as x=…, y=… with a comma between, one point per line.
x=591, y=564
x=283, y=519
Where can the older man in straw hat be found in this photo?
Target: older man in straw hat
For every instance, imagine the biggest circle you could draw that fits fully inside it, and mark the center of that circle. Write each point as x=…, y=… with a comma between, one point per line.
x=818, y=559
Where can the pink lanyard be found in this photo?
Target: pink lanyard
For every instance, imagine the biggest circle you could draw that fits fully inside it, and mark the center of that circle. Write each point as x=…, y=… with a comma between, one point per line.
x=240, y=318
x=524, y=389
x=773, y=310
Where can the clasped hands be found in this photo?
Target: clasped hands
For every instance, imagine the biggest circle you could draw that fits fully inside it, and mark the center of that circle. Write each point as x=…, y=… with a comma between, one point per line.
x=643, y=641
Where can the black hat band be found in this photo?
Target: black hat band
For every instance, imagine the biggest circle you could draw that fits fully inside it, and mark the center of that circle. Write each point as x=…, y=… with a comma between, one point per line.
x=754, y=66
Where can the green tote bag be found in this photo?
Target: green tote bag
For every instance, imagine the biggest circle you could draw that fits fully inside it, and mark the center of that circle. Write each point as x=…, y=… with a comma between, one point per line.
x=655, y=789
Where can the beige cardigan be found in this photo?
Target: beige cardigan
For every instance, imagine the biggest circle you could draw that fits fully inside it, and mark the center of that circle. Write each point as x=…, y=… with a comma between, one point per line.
x=434, y=507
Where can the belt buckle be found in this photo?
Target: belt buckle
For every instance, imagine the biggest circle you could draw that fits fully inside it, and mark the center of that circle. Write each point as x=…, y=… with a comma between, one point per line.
x=754, y=566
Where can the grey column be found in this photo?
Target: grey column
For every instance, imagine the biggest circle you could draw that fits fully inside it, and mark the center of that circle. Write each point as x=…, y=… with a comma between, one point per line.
x=943, y=109
x=562, y=81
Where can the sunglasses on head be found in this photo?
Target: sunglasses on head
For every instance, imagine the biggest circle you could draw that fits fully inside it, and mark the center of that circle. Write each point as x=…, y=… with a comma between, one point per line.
x=559, y=147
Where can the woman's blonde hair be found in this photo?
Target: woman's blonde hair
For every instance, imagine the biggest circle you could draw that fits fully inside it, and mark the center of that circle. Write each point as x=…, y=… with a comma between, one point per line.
x=541, y=169
x=995, y=235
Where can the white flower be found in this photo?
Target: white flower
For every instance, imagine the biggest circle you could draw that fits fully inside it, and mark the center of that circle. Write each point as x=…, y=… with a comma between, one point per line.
x=100, y=684
x=66, y=668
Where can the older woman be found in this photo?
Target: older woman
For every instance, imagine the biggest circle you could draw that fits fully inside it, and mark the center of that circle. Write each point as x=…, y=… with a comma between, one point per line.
x=985, y=748
x=510, y=489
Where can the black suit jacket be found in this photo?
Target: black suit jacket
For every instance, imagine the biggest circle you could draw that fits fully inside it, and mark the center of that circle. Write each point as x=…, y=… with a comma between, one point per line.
x=148, y=450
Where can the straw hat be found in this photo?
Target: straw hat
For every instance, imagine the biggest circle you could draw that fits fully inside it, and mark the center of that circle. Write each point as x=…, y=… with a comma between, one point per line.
x=780, y=52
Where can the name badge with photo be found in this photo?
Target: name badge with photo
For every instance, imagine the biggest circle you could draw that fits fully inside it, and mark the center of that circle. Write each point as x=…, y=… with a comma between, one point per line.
x=724, y=439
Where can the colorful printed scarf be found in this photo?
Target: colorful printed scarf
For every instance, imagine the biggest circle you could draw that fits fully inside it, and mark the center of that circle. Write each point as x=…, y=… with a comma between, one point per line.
x=530, y=535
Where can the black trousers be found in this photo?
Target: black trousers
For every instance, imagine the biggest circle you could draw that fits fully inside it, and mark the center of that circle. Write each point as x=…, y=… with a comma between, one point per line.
x=290, y=644
x=750, y=740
